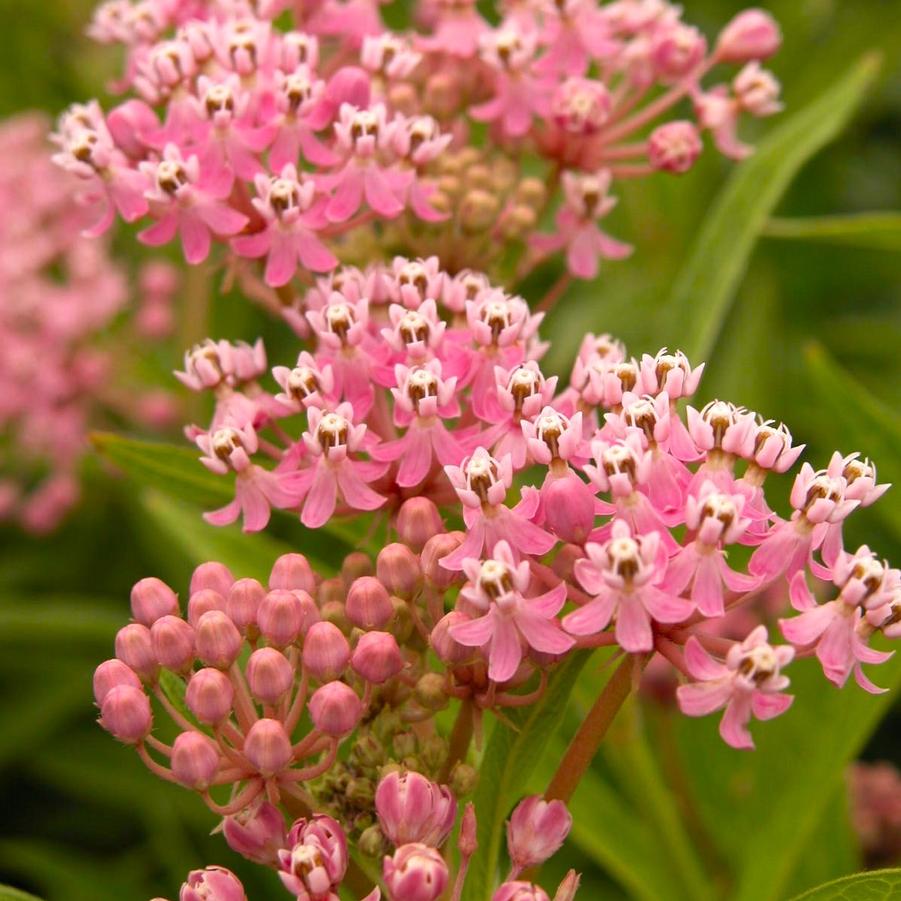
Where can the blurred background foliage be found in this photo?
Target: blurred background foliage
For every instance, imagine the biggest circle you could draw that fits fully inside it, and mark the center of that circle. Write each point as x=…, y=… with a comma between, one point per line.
x=811, y=336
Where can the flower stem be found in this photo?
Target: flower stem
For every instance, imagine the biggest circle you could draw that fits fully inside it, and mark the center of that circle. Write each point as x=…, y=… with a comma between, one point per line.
x=460, y=737
x=591, y=733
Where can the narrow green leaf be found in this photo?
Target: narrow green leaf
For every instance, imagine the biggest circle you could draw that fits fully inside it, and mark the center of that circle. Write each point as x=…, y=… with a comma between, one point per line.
x=8, y=893
x=852, y=410
x=66, y=620
x=880, y=231
x=879, y=885
x=704, y=289
x=510, y=757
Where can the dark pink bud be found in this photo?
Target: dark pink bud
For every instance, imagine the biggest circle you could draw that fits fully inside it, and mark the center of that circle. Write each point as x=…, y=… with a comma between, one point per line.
x=243, y=601
x=435, y=549
x=674, y=147
x=415, y=873
x=368, y=604
x=195, y=760
x=314, y=861
x=215, y=576
x=326, y=652
x=151, y=599
x=569, y=505
x=217, y=640
x=335, y=709
x=753, y=34
x=516, y=890
x=209, y=696
x=468, y=842
x=377, y=657
x=354, y=566
x=134, y=647
x=284, y=615
x=292, y=571
x=397, y=568
x=173, y=642
x=269, y=675
x=212, y=884
x=413, y=809
x=125, y=714
x=268, y=747
x=567, y=889
x=111, y=674
x=202, y=602
x=257, y=833
x=450, y=651
x=349, y=84
x=418, y=520
x=536, y=830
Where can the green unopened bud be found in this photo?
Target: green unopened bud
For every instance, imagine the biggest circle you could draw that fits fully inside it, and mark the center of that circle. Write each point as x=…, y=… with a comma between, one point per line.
x=354, y=566
x=433, y=752
x=479, y=176
x=402, y=623
x=518, y=221
x=361, y=791
x=404, y=744
x=372, y=842
x=333, y=612
x=330, y=590
x=478, y=210
x=531, y=192
x=368, y=751
x=430, y=691
x=463, y=780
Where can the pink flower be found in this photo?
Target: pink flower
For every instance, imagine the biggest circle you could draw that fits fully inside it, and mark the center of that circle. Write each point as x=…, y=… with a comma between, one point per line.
x=481, y=483
x=457, y=29
x=306, y=385
x=622, y=576
x=574, y=33
x=421, y=401
x=716, y=520
x=586, y=201
x=315, y=860
x=509, y=621
x=752, y=34
x=302, y=113
x=212, y=884
x=330, y=439
x=213, y=363
x=536, y=830
x=416, y=872
x=182, y=206
x=413, y=809
x=674, y=147
x=289, y=236
x=749, y=683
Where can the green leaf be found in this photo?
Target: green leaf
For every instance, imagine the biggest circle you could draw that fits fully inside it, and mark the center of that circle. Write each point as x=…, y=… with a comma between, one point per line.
x=704, y=289
x=510, y=756
x=879, y=231
x=64, y=620
x=762, y=808
x=879, y=885
x=168, y=467
x=847, y=408
x=8, y=893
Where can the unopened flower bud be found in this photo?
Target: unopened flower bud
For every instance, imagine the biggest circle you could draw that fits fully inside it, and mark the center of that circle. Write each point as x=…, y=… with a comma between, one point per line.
x=134, y=647
x=368, y=603
x=478, y=211
x=398, y=569
x=468, y=841
x=243, y=601
x=335, y=709
x=209, y=696
x=569, y=506
x=377, y=658
x=415, y=873
x=330, y=591
x=150, y=599
x=202, y=602
x=536, y=830
x=292, y=572
x=269, y=675
x=257, y=833
x=326, y=652
x=674, y=147
x=413, y=809
x=173, y=643
x=518, y=221
x=448, y=649
x=268, y=747
x=125, y=714
x=752, y=34
x=404, y=744
x=195, y=760
x=372, y=842
x=431, y=692
x=217, y=640
x=531, y=192
x=567, y=889
x=517, y=890
x=463, y=780
x=354, y=566
x=360, y=791
x=417, y=521
x=212, y=884
x=214, y=576
x=284, y=615
x=333, y=612
x=435, y=549
x=565, y=561
x=314, y=861
x=111, y=674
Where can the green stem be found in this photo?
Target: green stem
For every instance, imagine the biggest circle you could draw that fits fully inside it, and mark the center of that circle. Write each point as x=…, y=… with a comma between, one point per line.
x=460, y=737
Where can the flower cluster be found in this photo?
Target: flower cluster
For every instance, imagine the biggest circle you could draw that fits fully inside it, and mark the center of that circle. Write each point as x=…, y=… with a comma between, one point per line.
x=526, y=520
x=59, y=293
x=338, y=136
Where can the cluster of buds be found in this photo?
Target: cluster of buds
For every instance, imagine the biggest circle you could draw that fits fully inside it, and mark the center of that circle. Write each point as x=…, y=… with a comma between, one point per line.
x=306, y=145
x=635, y=525
x=59, y=293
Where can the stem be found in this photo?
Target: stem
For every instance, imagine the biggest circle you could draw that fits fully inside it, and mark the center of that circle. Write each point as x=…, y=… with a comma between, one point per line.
x=555, y=292
x=591, y=733
x=460, y=737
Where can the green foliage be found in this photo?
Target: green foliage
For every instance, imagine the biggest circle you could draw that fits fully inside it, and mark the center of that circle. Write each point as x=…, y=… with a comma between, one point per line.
x=876, y=230
x=881, y=885
x=7, y=893
x=702, y=293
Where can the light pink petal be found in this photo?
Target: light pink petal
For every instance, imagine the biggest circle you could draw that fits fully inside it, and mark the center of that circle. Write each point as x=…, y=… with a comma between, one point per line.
x=633, y=626
x=543, y=634
x=581, y=255
x=282, y=262
x=315, y=255
x=417, y=458
x=736, y=581
x=224, y=515
x=253, y=502
x=347, y=198
x=356, y=492
x=733, y=725
x=701, y=698
x=800, y=594
x=549, y=603
x=471, y=547
x=700, y=664
x=594, y=617
x=222, y=219
x=765, y=705
x=447, y=448
x=253, y=246
x=589, y=576
x=707, y=590
x=808, y=627
x=866, y=684
x=379, y=195
x=680, y=569
x=474, y=633
x=195, y=239
x=524, y=535
x=321, y=500
x=506, y=652
x=835, y=650
x=663, y=606
x=161, y=232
